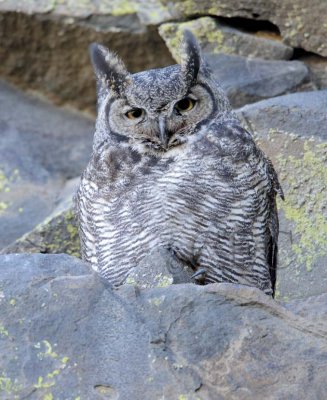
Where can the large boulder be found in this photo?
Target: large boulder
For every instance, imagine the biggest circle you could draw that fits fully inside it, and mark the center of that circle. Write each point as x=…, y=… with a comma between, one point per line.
x=44, y=46
x=301, y=22
x=292, y=130
x=65, y=332
x=44, y=43
x=41, y=146
x=216, y=37
x=249, y=67
x=57, y=234
x=249, y=80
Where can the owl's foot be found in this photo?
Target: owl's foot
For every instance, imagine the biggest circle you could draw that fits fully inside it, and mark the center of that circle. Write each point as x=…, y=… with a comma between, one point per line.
x=199, y=276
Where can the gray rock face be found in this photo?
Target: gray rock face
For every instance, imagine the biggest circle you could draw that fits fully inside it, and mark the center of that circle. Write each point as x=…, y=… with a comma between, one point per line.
x=216, y=37
x=249, y=80
x=57, y=234
x=29, y=29
x=303, y=114
x=40, y=147
x=45, y=47
x=160, y=268
x=63, y=331
x=318, y=69
x=292, y=130
x=301, y=22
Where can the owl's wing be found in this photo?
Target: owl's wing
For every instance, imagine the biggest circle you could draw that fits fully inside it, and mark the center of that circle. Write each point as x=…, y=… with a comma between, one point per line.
x=83, y=201
x=273, y=223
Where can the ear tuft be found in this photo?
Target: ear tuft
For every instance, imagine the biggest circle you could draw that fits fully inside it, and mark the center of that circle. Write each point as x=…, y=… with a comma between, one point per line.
x=190, y=58
x=109, y=69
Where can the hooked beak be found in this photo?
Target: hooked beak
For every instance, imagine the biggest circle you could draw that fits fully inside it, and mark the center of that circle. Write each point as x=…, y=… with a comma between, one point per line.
x=162, y=132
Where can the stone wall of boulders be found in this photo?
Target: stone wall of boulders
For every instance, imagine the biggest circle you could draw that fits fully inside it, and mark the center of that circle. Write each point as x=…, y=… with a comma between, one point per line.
x=44, y=43
x=62, y=330
x=257, y=50
x=65, y=335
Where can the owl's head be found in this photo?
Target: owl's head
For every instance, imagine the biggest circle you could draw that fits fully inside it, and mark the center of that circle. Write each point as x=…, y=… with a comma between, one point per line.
x=158, y=109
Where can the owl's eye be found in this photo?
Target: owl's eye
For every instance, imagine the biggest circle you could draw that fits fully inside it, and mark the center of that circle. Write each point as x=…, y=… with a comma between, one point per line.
x=185, y=104
x=136, y=113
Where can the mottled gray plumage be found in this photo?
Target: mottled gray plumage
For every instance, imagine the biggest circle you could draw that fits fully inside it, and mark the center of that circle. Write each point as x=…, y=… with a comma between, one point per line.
x=173, y=168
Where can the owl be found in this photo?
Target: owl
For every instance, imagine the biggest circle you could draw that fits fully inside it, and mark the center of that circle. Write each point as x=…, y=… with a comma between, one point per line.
x=173, y=168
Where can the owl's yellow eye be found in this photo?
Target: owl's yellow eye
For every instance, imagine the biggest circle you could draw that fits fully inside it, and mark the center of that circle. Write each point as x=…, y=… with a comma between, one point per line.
x=185, y=104
x=136, y=113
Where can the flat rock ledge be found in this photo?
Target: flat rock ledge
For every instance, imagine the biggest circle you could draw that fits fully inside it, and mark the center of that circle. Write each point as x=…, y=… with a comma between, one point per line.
x=65, y=332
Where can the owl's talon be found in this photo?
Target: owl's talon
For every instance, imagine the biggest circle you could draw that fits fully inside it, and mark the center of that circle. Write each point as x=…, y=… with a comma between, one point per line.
x=199, y=275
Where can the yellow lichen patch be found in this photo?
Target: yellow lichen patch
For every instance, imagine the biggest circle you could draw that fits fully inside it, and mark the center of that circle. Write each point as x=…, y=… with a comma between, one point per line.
x=8, y=387
x=41, y=384
x=5, y=183
x=50, y=379
x=118, y=7
x=52, y=374
x=191, y=7
x=11, y=389
x=3, y=207
x=49, y=352
x=57, y=234
x=156, y=301
x=204, y=29
x=12, y=302
x=163, y=280
x=46, y=350
x=305, y=205
x=3, y=331
x=130, y=281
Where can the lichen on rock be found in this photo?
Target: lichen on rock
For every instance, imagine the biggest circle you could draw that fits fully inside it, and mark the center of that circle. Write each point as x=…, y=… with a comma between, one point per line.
x=57, y=234
x=305, y=205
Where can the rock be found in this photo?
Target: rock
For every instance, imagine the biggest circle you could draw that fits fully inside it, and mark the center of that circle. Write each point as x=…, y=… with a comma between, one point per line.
x=303, y=114
x=41, y=147
x=64, y=331
x=160, y=268
x=309, y=308
x=57, y=234
x=216, y=37
x=318, y=70
x=231, y=54
x=44, y=47
x=301, y=22
x=292, y=131
x=249, y=80
x=29, y=29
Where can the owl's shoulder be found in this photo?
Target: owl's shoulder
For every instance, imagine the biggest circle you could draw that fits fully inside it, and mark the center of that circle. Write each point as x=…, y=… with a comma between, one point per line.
x=225, y=138
x=109, y=162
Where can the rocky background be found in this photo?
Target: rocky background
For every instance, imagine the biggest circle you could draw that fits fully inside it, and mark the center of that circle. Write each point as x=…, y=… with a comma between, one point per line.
x=63, y=333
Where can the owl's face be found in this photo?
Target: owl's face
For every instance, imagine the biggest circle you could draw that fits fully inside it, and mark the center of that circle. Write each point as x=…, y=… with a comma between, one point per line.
x=159, y=109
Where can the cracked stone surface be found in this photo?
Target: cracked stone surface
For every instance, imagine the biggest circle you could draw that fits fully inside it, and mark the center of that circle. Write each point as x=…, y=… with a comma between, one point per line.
x=216, y=37
x=46, y=49
x=62, y=330
x=292, y=130
x=41, y=146
x=249, y=80
x=300, y=22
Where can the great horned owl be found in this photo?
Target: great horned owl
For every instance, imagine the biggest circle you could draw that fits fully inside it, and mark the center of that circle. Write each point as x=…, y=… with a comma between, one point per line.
x=173, y=168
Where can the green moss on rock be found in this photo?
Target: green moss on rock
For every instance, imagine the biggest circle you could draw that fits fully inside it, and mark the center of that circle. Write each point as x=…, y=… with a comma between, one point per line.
x=57, y=234
x=301, y=166
x=305, y=181
x=204, y=29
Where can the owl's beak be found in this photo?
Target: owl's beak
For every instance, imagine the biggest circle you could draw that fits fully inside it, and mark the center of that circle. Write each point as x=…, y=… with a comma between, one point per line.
x=162, y=132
